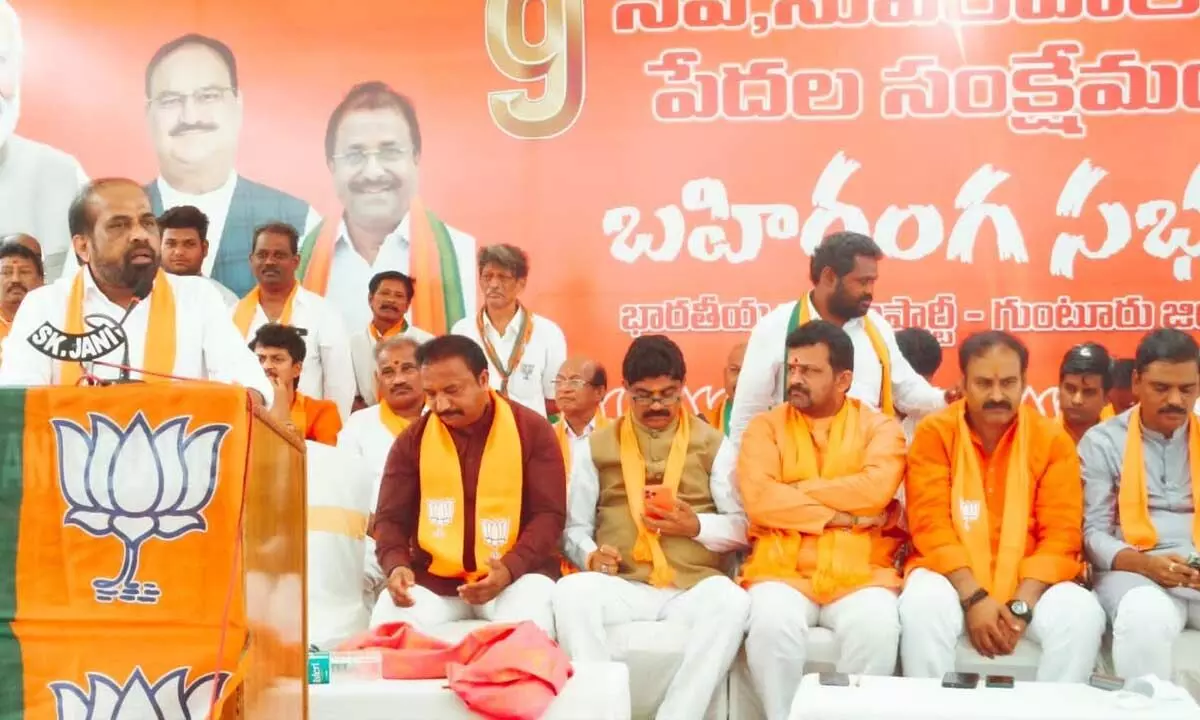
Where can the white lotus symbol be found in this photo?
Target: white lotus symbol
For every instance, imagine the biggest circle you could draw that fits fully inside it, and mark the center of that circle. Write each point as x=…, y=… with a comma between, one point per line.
x=168, y=699
x=136, y=483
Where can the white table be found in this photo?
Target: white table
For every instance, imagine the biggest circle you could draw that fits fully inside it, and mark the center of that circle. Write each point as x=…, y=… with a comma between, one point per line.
x=894, y=698
x=597, y=691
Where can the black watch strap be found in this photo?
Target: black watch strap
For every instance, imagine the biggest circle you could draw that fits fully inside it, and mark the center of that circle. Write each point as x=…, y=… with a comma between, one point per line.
x=976, y=597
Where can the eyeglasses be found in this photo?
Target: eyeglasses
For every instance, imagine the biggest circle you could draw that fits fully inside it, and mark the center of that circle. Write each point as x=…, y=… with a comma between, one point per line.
x=355, y=159
x=573, y=383
x=668, y=397
x=204, y=97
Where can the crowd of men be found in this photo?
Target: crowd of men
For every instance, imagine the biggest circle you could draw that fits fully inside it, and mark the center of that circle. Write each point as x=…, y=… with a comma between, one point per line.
x=835, y=485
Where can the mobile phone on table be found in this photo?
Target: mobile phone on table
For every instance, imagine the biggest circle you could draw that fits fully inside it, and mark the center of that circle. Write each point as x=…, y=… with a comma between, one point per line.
x=960, y=681
x=834, y=679
x=1101, y=681
x=1004, y=682
x=659, y=499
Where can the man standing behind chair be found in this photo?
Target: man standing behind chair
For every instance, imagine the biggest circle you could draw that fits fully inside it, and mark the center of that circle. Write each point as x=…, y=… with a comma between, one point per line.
x=185, y=245
x=329, y=373
x=524, y=349
x=194, y=112
x=817, y=477
x=37, y=182
x=182, y=328
x=1083, y=385
x=995, y=507
x=472, y=502
x=388, y=295
x=1120, y=392
x=1143, y=507
x=718, y=415
x=373, y=150
x=843, y=271
x=653, y=516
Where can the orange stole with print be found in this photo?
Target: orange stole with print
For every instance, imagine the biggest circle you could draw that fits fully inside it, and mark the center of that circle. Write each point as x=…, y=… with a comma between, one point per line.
x=839, y=561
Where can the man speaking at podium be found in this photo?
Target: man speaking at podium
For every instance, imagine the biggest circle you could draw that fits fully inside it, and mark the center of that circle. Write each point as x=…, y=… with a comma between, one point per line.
x=179, y=328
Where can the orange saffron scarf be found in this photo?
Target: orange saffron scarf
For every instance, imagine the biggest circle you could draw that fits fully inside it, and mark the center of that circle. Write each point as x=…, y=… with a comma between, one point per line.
x=159, y=355
x=247, y=308
x=1132, y=504
x=398, y=329
x=648, y=549
x=969, y=511
x=843, y=554
x=393, y=422
x=442, y=525
x=802, y=314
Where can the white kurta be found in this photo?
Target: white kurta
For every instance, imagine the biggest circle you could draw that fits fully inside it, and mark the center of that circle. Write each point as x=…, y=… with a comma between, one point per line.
x=362, y=355
x=328, y=372
x=207, y=345
x=532, y=381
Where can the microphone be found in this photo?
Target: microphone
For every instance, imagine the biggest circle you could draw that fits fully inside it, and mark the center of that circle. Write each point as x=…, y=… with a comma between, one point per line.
x=141, y=291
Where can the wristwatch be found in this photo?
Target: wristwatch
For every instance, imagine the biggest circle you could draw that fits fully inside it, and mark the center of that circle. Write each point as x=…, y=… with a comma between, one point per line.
x=975, y=598
x=1021, y=610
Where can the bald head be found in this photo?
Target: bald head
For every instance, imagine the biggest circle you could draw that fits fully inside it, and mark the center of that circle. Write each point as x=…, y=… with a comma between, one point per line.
x=733, y=367
x=24, y=240
x=579, y=388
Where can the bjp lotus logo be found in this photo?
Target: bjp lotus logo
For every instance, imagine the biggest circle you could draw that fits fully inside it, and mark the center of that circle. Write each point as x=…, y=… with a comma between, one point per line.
x=136, y=483
x=137, y=699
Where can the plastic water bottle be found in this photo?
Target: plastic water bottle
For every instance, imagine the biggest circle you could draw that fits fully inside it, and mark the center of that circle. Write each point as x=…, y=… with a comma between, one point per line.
x=327, y=667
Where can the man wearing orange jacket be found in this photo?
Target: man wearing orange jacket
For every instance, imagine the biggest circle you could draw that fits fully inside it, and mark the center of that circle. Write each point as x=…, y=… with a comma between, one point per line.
x=995, y=507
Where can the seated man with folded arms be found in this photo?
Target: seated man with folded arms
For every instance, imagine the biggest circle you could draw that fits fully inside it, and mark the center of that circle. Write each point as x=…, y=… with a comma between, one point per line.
x=1143, y=509
x=653, y=516
x=995, y=508
x=472, y=502
x=817, y=476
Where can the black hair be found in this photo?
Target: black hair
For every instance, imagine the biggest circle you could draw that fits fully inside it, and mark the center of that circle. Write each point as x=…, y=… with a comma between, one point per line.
x=221, y=49
x=1121, y=375
x=284, y=337
x=447, y=347
x=921, y=349
x=1087, y=359
x=653, y=356
x=839, y=252
x=79, y=217
x=979, y=343
x=15, y=249
x=185, y=217
x=373, y=95
x=277, y=228
x=379, y=277
x=599, y=376
x=1165, y=345
x=835, y=340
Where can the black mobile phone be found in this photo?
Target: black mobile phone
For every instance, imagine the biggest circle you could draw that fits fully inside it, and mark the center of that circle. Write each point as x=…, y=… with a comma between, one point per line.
x=999, y=681
x=1101, y=681
x=835, y=679
x=961, y=681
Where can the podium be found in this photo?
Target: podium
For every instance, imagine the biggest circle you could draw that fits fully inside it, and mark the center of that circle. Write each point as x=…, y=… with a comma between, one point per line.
x=152, y=554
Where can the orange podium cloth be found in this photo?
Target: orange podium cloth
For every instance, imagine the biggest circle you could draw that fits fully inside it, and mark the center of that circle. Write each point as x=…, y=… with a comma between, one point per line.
x=499, y=671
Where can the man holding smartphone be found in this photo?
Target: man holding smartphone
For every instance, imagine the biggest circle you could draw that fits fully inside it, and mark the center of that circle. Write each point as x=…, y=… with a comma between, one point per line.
x=1141, y=526
x=818, y=475
x=653, y=517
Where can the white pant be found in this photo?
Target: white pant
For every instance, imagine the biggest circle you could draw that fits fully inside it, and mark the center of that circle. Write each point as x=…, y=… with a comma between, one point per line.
x=529, y=598
x=1147, y=624
x=866, y=623
x=715, y=611
x=1068, y=623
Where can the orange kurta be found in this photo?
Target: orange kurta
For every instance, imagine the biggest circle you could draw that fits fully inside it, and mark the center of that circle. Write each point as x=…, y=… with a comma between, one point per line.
x=775, y=502
x=1054, y=538
x=321, y=420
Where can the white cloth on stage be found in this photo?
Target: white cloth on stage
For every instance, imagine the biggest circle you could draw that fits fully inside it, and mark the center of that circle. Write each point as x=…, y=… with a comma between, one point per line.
x=1148, y=622
x=530, y=597
x=715, y=611
x=1068, y=624
x=866, y=623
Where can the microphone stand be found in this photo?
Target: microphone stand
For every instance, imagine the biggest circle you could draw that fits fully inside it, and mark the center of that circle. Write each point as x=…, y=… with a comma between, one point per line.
x=140, y=292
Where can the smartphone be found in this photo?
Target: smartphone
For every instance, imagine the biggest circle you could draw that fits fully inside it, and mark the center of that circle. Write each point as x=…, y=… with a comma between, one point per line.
x=1193, y=561
x=999, y=681
x=834, y=679
x=1106, y=682
x=961, y=681
x=659, y=499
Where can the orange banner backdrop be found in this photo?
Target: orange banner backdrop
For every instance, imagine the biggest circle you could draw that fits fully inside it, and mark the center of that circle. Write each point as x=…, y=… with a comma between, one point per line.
x=1028, y=165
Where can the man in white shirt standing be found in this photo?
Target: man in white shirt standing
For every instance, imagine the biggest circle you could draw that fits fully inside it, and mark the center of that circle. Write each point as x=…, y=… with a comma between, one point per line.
x=184, y=232
x=374, y=153
x=37, y=182
x=388, y=296
x=843, y=270
x=328, y=373
x=181, y=328
x=524, y=349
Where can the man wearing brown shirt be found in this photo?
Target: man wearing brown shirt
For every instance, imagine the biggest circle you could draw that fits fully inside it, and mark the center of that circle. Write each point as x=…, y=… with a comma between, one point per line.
x=472, y=502
x=653, y=519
